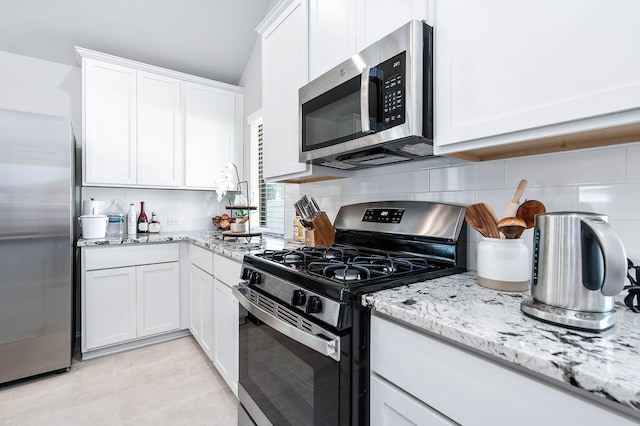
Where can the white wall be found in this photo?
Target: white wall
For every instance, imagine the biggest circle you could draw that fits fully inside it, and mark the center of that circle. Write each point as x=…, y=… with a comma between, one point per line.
x=44, y=87
x=603, y=180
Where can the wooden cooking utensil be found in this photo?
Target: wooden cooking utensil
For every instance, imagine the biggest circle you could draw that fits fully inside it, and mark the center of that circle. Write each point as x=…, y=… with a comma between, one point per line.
x=512, y=227
x=528, y=211
x=483, y=219
x=512, y=206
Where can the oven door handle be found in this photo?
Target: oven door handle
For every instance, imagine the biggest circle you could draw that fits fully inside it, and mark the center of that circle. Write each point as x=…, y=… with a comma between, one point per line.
x=330, y=348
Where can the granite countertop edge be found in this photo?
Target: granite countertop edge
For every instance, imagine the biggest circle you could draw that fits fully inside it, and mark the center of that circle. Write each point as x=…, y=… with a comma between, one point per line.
x=606, y=365
x=234, y=248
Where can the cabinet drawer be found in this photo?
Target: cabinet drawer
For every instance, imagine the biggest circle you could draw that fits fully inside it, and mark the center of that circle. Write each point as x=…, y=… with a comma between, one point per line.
x=116, y=257
x=227, y=270
x=443, y=376
x=202, y=258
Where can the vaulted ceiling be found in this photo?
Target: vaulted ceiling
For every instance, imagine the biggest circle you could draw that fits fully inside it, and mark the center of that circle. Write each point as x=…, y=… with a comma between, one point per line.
x=207, y=38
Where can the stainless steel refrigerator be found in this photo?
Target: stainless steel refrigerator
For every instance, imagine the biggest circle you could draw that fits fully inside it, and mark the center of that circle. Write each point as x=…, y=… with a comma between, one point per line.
x=36, y=243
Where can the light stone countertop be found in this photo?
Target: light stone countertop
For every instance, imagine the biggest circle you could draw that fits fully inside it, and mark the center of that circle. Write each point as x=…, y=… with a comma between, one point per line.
x=234, y=248
x=604, y=364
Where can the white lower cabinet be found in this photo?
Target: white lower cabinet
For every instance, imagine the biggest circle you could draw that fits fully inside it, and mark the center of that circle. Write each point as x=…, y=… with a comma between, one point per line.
x=225, y=333
x=110, y=304
x=226, y=317
x=201, y=313
x=158, y=295
x=128, y=293
x=418, y=378
x=391, y=406
x=214, y=313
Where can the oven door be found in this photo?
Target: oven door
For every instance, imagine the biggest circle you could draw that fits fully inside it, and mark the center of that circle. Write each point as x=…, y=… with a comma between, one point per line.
x=287, y=375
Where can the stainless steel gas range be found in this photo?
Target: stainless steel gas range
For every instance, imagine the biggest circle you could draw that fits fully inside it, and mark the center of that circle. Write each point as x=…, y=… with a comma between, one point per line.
x=304, y=347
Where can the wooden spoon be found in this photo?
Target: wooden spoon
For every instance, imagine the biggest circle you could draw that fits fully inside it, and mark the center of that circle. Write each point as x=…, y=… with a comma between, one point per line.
x=512, y=206
x=483, y=219
x=528, y=211
x=512, y=227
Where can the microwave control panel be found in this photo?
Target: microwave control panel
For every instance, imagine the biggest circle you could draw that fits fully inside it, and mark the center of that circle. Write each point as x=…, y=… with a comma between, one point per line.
x=393, y=74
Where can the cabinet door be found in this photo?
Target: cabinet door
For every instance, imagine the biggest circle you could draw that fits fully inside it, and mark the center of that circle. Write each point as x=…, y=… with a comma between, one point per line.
x=284, y=71
x=391, y=406
x=332, y=34
x=377, y=18
x=196, y=279
x=225, y=333
x=109, y=123
x=210, y=133
x=201, y=306
x=158, y=298
x=110, y=306
x=535, y=74
x=159, y=138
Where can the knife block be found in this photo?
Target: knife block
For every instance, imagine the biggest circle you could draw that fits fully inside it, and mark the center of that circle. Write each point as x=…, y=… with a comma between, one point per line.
x=321, y=232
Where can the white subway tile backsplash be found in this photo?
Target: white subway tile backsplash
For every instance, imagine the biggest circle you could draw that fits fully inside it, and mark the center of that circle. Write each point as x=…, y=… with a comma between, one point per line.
x=633, y=163
x=590, y=166
x=620, y=202
x=629, y=233
x=556, y=198
x=192, y=210
x=488, y=175
x=454, y=197
x=606, y=180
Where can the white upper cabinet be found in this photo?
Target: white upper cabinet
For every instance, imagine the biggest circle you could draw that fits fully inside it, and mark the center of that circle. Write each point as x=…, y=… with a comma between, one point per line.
x=109, y=125
x=159, y=143
x=338, y=29
x=210, y=132
x=284, y=70
x=332, y=34
x=377, y=18
x=512, y=77
x=151, y=127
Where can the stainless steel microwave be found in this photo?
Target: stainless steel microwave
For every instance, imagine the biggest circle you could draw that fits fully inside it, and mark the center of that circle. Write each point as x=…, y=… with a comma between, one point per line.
x=390, y=84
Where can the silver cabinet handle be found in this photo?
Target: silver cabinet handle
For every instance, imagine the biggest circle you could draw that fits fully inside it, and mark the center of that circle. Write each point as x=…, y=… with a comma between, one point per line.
x=329, y=347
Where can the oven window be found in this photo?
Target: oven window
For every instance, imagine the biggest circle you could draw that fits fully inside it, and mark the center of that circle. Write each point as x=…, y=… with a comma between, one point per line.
x=333, y=117
x=291, y=383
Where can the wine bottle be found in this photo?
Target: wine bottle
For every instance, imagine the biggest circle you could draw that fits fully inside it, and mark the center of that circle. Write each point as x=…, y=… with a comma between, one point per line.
x=143, y=220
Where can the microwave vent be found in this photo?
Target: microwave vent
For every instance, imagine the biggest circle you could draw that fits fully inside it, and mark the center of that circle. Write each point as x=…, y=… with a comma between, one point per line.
x=338, y=165
x=418, y=149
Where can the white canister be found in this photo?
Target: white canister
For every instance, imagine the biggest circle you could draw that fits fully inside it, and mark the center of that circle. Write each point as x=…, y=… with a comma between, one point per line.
x=504, y=264
x=93, y=225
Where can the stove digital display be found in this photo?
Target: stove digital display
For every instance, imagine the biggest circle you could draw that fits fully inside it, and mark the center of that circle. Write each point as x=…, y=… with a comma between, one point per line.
x=383, y=215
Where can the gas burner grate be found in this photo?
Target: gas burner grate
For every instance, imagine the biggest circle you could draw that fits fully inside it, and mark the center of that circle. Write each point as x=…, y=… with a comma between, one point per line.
x=366, y=268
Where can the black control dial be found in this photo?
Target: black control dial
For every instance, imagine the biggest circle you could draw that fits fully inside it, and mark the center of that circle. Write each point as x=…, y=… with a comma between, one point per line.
x=314, y=305
x=255, y=277
x=246, y=272
x=298, y=298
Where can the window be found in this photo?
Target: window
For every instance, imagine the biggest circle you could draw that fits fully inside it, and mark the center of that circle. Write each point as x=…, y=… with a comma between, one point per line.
x=270, y=196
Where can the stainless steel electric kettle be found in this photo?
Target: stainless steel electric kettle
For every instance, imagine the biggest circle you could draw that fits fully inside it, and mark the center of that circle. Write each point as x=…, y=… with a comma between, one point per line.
x=579, y=264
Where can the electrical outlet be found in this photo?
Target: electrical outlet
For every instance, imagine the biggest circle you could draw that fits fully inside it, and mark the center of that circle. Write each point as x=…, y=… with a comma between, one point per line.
x=174, y=221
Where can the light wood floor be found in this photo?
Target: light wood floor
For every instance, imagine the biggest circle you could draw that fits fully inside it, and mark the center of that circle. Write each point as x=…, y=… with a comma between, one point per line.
x=172, y=383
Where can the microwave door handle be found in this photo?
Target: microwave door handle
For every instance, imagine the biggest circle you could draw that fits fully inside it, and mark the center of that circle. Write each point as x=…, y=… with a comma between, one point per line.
x=364, y=101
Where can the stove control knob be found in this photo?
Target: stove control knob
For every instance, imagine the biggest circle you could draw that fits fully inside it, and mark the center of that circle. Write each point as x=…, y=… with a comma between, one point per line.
x=298, y=298
x=255, y=277
x=246, y=272
x=314, y=305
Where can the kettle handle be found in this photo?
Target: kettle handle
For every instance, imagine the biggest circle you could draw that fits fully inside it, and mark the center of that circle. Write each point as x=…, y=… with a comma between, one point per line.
x=615, y=257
